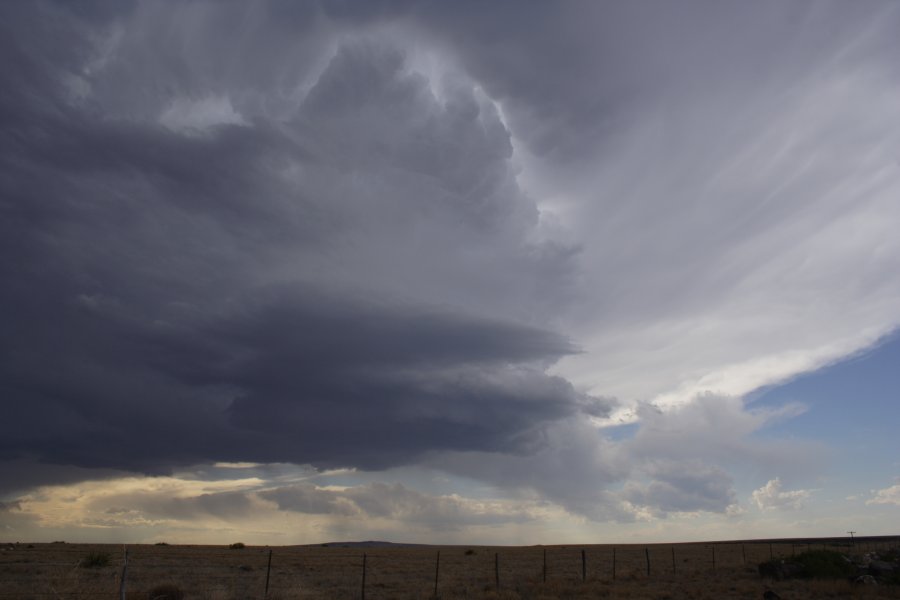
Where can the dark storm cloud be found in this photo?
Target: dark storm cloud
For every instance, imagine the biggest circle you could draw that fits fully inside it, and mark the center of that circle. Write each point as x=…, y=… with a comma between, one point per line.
x=348, y=279
x=339, y=382
x=302, y=233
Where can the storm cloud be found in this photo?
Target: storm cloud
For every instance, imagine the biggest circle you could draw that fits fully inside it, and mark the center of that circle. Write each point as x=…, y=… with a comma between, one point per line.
x=353, y=283
x=459, y=237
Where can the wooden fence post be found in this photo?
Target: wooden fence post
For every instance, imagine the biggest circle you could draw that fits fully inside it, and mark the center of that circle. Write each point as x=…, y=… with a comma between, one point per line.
x=124, y=574
x=437, y=570
x=743, y=554
x=647, y=554
x=268, y=570
x=673, y=560
x=583, y=567
x=497, y=570
x=363, y=588
x=771, y=556
x=545, y=565
x=614, y=563
x=714, y=557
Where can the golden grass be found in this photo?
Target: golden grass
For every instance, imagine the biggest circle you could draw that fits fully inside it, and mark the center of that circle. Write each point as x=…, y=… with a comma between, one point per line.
x=52, y=571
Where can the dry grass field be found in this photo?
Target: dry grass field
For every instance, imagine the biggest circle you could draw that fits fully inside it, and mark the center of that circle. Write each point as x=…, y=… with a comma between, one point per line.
x=695, y=571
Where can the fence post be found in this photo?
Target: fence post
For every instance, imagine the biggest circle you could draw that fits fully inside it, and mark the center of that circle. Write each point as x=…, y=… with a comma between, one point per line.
x=583, y=567
x=614, y=563
x=647, y=554
x=124, y=574
x=268, y=570
x=714, y=557
x=673, y=560
x=363, y=589
x=437, y=570
x=743, y=554
x=497, y=570
x=771, y=556
x=545, y=565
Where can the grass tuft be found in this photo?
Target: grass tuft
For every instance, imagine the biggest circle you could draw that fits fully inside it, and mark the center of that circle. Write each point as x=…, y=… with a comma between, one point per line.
x=166, y=591
x=95, y=560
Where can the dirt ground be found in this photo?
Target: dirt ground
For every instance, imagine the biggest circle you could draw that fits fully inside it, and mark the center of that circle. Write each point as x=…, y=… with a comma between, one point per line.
x=695, y=571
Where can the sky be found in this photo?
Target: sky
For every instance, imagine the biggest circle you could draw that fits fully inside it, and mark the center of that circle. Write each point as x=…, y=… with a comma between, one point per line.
x=449, y=272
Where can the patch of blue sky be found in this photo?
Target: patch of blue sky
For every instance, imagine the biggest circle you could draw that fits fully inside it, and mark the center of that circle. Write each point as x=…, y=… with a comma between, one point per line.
x=853, y=406
x=623, y=432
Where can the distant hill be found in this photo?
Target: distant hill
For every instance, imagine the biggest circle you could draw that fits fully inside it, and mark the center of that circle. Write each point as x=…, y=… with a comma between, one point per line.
x=371, y=544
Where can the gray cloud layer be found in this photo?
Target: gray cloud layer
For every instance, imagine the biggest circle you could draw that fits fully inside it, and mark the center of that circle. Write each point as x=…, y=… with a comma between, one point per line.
x=354, y=282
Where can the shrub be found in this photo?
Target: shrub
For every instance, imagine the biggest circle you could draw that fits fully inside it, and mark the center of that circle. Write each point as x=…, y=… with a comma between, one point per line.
x=166, y=591
x=825, y=564
x=818, y=564
x=237, y=546
x=470, y=552
x=95, y=560
x=161, y=544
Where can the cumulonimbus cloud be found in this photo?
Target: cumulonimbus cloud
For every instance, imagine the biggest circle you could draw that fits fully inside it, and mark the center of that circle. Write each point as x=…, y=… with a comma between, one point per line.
x=373, y=234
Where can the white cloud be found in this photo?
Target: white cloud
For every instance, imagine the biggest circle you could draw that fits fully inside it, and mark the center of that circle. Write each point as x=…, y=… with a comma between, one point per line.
x=890, y=495
x=770, y=497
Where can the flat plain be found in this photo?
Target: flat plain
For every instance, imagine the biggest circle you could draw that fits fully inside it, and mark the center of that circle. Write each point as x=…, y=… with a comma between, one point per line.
x=661, y=571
